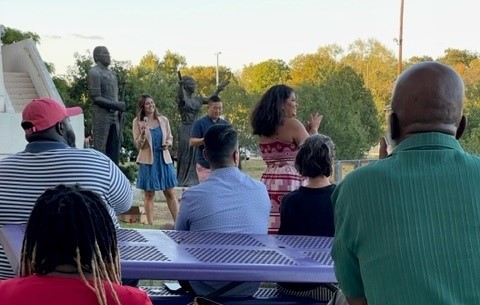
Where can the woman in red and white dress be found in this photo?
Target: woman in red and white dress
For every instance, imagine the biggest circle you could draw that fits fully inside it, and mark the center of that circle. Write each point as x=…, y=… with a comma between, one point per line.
x=280, y=134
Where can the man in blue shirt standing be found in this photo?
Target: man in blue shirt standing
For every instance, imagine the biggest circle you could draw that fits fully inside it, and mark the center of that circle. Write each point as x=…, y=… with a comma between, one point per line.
x=229, y=201
x=200, y=127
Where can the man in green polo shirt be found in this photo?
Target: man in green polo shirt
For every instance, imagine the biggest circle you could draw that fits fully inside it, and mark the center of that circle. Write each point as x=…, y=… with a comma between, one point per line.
x=407, y=228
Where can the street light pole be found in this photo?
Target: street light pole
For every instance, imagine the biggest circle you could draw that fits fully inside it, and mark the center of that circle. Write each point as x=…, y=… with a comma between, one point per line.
x=400, y=41
x=218, y=53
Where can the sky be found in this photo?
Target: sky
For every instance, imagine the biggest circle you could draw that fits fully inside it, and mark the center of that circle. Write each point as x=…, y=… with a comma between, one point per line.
x=244, y=31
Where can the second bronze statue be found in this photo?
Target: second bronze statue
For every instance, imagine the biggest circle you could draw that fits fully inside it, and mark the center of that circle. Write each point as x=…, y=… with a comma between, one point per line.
x=189, y=105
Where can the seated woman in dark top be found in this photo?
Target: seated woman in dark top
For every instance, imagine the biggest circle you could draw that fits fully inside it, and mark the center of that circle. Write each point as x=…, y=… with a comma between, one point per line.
x=309, y=210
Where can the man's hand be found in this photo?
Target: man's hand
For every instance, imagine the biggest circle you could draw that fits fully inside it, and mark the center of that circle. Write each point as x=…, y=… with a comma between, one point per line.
x=357, y=301
x=121, y=106
x=383, y=150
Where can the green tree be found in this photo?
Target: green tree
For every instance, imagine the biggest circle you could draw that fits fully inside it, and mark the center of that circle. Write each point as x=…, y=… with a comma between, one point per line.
x=348, y=109
x=259, y=77
x=417, y=59
x=471, y=77
x=453, y=57
x=205, y=77
x=13, y=35
x=314, y=68
x=237, y=105
x=471, y=138
x=378, y=67
x=172, y=62
x=77, y=92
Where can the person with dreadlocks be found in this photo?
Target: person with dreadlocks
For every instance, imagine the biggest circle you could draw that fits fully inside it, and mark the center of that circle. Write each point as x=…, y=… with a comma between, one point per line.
x=70, y=254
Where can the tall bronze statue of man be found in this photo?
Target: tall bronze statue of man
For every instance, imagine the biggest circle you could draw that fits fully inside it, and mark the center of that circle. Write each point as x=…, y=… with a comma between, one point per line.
x=107, y=109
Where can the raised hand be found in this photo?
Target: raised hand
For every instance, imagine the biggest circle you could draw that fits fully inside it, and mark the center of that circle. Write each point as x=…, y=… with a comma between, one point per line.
x=383, y=150
x=313, y=123
x=222, y=85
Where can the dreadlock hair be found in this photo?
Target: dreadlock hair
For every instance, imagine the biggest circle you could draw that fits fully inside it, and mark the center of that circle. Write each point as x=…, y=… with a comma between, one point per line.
x=71, y=226
x=268, y=113
x=315, y=156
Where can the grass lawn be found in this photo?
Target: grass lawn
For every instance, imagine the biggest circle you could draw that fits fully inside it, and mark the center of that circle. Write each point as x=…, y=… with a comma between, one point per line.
x=254, y=167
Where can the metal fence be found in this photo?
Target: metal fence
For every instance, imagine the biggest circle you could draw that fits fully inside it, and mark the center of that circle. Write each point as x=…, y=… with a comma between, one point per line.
x=343, y=167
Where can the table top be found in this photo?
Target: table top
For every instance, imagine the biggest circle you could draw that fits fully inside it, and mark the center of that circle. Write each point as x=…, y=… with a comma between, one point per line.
x=182, y=255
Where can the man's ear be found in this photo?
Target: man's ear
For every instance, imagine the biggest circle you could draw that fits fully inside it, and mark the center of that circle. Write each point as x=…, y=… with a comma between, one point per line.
x=236, y=157
x=60, y=128
x=461, y=127
x=394, y=126
x=205, y=154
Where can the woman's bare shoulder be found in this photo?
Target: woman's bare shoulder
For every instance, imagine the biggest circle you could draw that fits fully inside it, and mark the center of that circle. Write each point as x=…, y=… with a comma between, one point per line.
x=292, y=122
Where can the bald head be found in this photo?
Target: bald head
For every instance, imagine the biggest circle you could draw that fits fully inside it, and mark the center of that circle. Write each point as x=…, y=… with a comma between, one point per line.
x=427, y=97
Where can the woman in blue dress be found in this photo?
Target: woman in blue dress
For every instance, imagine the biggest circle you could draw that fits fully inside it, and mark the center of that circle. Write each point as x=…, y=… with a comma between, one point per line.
x=152, y=137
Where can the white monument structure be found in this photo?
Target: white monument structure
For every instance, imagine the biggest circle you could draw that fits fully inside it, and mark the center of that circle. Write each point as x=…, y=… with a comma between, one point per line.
x=23, y=77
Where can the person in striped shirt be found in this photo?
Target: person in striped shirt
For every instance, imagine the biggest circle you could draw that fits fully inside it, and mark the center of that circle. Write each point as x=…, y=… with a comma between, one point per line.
x=49, y=159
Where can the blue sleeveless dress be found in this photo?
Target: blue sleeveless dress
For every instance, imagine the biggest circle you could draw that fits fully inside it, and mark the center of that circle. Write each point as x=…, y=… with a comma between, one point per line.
x=158, y=176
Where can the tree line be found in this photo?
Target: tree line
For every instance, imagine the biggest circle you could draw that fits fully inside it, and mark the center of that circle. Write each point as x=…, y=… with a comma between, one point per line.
x=351, y=87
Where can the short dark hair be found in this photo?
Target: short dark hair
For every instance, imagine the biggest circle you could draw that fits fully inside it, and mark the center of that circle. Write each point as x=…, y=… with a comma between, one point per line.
x=221, y=141
x=214, y=99
x=315, y=157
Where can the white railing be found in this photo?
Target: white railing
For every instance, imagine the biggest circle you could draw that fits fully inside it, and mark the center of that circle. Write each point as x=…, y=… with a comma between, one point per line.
x=4, y=99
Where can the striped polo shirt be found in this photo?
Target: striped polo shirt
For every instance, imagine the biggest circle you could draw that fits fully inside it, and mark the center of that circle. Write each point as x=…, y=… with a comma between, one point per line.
x=407, y=228
x=45, y=164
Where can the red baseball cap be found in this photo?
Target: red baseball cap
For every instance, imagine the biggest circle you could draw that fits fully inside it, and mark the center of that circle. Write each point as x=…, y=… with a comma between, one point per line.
x=43, y=113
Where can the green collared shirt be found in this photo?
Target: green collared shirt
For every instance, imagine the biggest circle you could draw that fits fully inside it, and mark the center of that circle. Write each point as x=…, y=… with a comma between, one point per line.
x=407, y=228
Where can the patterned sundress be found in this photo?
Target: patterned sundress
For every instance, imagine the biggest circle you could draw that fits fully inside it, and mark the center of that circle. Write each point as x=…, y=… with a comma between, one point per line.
x=280, y=177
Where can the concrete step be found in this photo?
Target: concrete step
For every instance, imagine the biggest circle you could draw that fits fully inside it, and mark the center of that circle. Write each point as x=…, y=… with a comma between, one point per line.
x=16, y=77
x=20, y=85
x=20, y=89
x=17, y=89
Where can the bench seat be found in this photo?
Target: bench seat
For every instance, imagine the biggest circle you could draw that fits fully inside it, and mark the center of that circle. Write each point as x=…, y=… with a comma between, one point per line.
x=161, y=296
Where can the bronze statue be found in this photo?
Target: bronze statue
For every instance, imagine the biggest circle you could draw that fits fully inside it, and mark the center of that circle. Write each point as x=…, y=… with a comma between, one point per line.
x=189, y=105
x=107, y=114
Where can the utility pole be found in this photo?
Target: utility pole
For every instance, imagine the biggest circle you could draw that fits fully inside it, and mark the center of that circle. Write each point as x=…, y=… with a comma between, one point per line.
x=400, y=41
x=218, y=53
